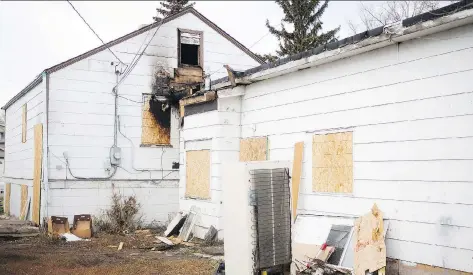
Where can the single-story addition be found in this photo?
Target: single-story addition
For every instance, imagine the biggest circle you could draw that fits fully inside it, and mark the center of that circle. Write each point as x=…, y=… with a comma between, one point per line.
x=105, y=120
x=385, y=117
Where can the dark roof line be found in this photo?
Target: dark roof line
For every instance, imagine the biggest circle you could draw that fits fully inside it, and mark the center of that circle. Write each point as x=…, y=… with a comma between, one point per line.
x=112, y=43
x=450, y=9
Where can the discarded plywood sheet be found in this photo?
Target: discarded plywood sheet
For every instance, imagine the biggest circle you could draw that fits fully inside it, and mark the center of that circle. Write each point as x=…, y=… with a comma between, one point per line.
x=296, y=176
x=38, y=160
x=209, y=96
x=23, y=201
x=370, y=249
x=6, y=201
x=23, y=123
x=58, y=225
x=254, y=149
x=198, y=174
x=82, y=226
x=332, y=163
x=151, y=132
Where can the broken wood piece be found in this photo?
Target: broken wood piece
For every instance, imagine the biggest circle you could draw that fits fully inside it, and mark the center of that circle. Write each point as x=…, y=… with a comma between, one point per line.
x=120, y=246
x=164, y=240
x=144, y=231
x=231, y=75
x=208, y=96
x=296, y=176
x=370, y=249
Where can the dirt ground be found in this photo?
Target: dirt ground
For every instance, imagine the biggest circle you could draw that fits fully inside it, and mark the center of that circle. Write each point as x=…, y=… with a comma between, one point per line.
x=43, y=255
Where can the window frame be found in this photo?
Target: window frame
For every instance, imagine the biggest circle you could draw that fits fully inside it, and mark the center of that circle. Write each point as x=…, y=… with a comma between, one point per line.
x=200, y=52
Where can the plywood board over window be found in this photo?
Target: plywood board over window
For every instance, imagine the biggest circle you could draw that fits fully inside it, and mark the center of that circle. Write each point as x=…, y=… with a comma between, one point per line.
x=254, y=149
x=332, y=163
x=38, y=165
x=152, y=133
x=198, y=174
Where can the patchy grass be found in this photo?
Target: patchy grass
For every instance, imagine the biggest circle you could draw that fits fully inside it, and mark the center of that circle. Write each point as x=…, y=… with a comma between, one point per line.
x=45, y=255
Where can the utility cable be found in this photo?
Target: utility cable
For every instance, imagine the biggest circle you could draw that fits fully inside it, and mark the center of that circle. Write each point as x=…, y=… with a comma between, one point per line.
x=83, y=19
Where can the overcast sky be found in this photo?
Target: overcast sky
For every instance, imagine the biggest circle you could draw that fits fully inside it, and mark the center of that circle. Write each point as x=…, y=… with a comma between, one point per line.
x=38, y=35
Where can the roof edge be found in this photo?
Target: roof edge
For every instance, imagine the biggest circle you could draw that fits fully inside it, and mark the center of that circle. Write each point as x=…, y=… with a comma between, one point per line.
x=357, y=43
x=25, y=90
x=125, y=37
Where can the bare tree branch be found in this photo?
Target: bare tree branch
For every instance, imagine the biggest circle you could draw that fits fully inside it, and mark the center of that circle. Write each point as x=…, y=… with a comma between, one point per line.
x=388, y=12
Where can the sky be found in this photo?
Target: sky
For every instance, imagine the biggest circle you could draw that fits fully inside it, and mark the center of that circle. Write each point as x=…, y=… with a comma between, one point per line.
x=37, y=35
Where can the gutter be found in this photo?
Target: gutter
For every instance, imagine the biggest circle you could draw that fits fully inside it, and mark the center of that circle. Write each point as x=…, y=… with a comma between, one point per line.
x=391, y=34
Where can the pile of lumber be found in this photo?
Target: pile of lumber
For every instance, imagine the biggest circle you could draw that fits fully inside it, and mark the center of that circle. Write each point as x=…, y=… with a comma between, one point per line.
x=17, y=228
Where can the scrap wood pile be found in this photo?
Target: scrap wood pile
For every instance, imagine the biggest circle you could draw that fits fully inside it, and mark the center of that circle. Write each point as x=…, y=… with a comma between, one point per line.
x=14, y=228
x=345, y=249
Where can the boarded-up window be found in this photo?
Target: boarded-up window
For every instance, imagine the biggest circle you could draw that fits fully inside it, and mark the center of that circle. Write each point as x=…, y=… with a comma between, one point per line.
x=156, y=120
x=254, y=149
x=23, y=124
x=198, y=174
x=332, y=163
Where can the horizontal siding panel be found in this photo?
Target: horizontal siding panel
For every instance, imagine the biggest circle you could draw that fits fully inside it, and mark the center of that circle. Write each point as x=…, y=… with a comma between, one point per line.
x=412, y=110
x=441, y=170
x=440, y=256
x=448, y=214
x=436, y=234
x=455, y=148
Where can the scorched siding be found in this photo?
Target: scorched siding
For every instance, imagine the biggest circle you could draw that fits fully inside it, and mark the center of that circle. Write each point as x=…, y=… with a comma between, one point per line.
x=410, y=107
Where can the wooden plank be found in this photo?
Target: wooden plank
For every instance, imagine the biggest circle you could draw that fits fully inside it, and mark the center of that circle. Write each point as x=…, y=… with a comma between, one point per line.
x=23, y=201
x=296, y=176
x=196, y=99
x=332, y=163
x=6, y=202
x=38, y=159
x=198, y=174
x=23, y=123
x=151, y=132
x=254, y=149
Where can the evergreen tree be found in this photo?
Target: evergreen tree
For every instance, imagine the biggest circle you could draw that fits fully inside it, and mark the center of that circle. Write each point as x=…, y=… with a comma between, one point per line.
x=169, y=7
x=304, y=16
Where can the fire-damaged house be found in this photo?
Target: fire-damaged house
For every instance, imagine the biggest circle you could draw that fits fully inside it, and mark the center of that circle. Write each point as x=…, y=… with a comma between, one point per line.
x=109, y=120
x=362, y=146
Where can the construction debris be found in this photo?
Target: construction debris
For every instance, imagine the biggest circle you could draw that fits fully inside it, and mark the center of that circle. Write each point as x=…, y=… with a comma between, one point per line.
x=120, y=246
x=58, y=225
x=68, y=237
x=165, y=240
x=82, y=226
x=370, y=249
x=14, y=228
x=188, y=225
x=210, y=235
x=175, y=225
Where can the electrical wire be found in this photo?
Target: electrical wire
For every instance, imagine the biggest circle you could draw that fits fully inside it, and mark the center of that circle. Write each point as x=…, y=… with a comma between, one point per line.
x=83, y=19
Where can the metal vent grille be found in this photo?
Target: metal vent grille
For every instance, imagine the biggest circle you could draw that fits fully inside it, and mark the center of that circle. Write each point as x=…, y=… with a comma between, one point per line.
x=272, y=216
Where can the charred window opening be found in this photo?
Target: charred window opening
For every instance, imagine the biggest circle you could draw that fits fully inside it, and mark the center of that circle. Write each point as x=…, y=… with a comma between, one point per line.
x=156, y=121
x=190, y=48
x=161, y=112
x=190, y=54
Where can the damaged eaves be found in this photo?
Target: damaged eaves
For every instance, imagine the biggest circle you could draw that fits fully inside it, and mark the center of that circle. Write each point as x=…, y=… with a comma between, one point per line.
x=352, y=40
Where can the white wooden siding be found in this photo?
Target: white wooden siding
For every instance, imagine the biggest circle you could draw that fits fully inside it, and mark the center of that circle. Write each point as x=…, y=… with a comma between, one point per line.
x=19, y=156
x=410, y=107
x=218, y=131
